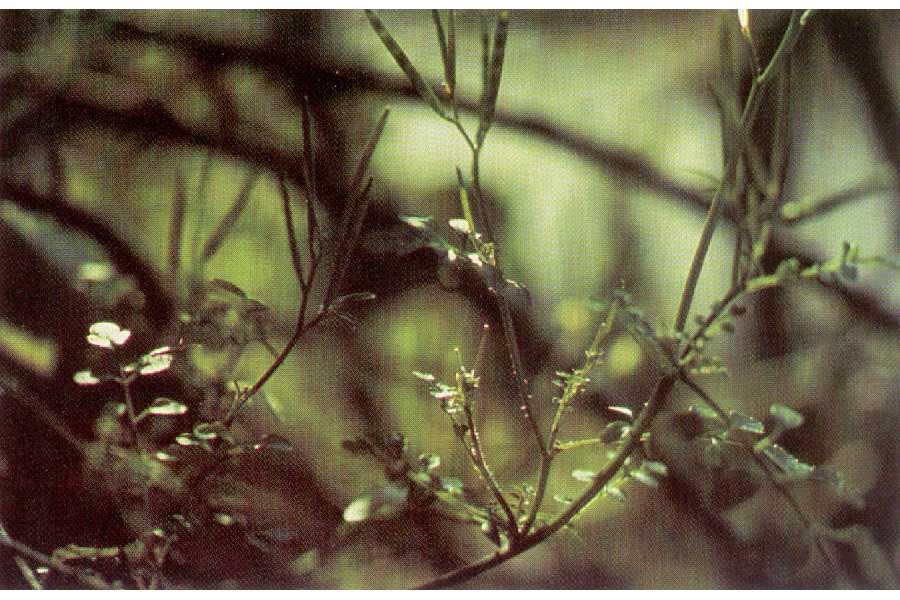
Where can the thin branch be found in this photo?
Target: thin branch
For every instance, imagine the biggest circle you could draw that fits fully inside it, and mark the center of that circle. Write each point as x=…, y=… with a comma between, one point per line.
x=160, y=306
x=478, y=458
x=602, y=478
x=569, y=394
x=91, y=581
x=748, y=116
x=215, y=240
x=800, y=211
x=296, y=259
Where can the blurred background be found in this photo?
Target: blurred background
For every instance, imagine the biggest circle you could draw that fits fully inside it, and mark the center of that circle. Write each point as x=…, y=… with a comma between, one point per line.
x=606, y=143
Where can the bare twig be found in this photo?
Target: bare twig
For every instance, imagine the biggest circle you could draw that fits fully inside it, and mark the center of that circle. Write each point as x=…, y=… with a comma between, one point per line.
x=89, y=580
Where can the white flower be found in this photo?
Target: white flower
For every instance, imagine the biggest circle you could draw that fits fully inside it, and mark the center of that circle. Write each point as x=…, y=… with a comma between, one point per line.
x=106, y=335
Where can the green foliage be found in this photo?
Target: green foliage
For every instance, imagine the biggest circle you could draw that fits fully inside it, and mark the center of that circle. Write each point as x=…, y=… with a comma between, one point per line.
x=171, y=464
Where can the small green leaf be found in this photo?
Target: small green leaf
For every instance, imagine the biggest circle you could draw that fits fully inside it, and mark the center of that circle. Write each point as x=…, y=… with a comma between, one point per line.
x=166, y=407
x=85, y=378
x=271, y=441
x=224, y=519
x=429, y=462
x=460, y=226
x=155, y=362
x=785, y=461
x=164, y=457
x=614, y=493
x=584, y=475
x=376, y=504
x=786, y=417
x=423, y=223
x=208, y=431
x=426, y=377
x=655, y=468
x=645, y=478
x=107, y=335
x=622, y=410
x=452, y=485
x=569, y=445
x=741, y=422
x=613, y=432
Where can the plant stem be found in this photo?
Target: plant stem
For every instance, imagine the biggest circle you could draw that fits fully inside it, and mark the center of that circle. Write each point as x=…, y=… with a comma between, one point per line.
x=568, y=395
x=478, y=459
x=90, y=581
x=602, y=478
x=788, y=41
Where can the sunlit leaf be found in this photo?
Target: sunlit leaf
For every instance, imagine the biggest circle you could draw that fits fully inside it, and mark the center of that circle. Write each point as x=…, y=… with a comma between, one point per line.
x=151, y=364
x=584, y=475
x=271, y=441
x=224, y=519
x=376, y=504
x=785, y=416
x=741, y=422
x=185, y=440
x=208, y=431
x=165, y=457
x=569, y=445
x=95, y=272
x=85, y=378
x=452, y=485
x=429, y=462
x=622, y=410
x=426, y=377
x=107, y=335
x=460, y=226
x=655, y=468
x=645, y=478
x=166, y=407
x=614, y=493
x=784, y=460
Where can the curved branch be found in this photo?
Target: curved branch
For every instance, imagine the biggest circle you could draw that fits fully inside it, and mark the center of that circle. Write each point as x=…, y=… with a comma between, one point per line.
x=160, y=306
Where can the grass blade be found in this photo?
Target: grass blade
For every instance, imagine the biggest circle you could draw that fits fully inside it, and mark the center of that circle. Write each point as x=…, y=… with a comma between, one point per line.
x=309, y=174
x=351, y=228
x=355, y=212
x=200, y=210
x=449, y=63
x=296, y=259
x=224, y=227
x=368, y=152
x=451, y=49
x=176, y=226
x=489, y=98
x=403, y=62
x=781, y=136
